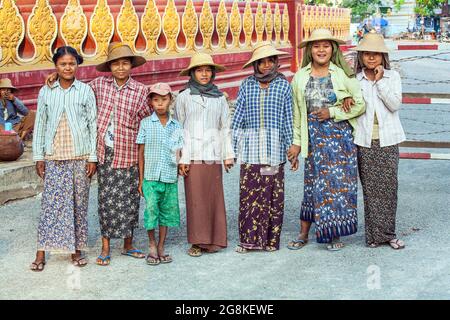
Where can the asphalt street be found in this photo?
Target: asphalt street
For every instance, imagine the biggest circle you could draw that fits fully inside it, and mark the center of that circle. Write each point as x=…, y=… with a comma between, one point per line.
x=420, y=271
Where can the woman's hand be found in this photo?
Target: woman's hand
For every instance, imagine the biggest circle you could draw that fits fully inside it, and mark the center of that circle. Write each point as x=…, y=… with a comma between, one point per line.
x=91, y=168
x=40, y=169
x=379, y=72
x=347, y=104
x=322, y=114
x=183, y=169
x=293, y=152
x=51, y=78
x=228, y=164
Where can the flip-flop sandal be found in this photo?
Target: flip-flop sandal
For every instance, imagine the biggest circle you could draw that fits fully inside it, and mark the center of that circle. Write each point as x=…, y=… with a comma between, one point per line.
x=78, y=263
x=36, y=266
x=373, y=245
x=270, y=249
x=297, y=244
x=240, y=249
x=165, y=258
x=397, y=244
x=335, y=246
x=135, y=253
x=152, y=260
x=195, y=251
x=103, y=259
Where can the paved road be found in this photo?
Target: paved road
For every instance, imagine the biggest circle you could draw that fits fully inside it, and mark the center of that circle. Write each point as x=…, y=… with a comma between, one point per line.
x=421, y=271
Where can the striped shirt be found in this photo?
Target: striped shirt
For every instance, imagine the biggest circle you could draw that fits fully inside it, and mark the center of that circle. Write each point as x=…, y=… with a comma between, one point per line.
x=161, y=146
x=78, y=103
x=130, y=105
x=262, y=122
x=205, y=122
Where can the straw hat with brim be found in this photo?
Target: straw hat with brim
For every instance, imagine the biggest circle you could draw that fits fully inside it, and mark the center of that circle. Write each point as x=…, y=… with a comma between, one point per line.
x=320, y=35
x=372, y=42
x=6, y=84
x=118, y=50
x=263, y=50
x=201, y=59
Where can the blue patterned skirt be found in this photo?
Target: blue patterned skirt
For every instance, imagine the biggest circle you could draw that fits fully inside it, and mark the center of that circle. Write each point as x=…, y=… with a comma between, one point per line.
x=331, y=185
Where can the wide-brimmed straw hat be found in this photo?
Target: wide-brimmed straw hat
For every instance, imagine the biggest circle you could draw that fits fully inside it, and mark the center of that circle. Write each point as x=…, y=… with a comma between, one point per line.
x=320, y=35
x=372, y=42
x=118, y=50
x=262, y=50
x=6, y=83
x=201, y=59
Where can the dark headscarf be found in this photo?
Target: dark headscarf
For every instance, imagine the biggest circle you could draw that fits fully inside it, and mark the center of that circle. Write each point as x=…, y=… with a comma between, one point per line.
x=359, y=65
x=271, y=75
x=207, y=90
x=336, y=57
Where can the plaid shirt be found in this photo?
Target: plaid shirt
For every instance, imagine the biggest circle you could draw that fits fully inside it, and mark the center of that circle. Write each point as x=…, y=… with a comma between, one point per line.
x=130, y=106
x=262, y=122
x=161, y=146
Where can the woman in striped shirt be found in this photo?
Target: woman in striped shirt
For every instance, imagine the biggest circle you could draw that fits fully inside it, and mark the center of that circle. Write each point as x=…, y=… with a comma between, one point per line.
x=64, y=148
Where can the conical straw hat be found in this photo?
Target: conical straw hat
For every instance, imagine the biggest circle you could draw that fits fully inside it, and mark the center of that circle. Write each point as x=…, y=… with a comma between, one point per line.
x=201, y=59
x=263, y=50
x=118, y=50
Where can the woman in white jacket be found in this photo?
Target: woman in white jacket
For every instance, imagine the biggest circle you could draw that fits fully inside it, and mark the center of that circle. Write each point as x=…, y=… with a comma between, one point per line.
x=378, y=134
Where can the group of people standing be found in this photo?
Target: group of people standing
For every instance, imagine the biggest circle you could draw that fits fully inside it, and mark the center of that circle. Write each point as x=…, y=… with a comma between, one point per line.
x=337, y=120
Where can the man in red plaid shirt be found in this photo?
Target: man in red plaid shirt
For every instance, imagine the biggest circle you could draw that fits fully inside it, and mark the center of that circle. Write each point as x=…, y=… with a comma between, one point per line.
x=122, y=104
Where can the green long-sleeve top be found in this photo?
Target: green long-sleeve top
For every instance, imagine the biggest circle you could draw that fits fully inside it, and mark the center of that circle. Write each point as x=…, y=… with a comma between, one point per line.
x=343, y=87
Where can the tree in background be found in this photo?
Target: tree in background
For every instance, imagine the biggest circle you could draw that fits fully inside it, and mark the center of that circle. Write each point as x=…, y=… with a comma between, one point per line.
x=361, y=8
x=426, y=7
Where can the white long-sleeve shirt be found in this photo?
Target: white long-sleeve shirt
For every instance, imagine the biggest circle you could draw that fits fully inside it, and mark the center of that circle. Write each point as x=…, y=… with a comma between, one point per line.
x=206, y=127
x=384, y=99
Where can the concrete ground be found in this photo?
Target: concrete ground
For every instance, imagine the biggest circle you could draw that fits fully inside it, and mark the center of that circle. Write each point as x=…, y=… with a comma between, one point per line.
x=420, y=271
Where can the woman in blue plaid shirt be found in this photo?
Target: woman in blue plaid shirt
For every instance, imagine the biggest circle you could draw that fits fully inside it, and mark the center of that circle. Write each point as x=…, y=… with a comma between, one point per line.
x=262, y=134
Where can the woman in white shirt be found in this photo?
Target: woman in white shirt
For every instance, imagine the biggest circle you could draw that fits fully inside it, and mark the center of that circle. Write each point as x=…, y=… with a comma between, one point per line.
x=202, y=109
x=378, y=134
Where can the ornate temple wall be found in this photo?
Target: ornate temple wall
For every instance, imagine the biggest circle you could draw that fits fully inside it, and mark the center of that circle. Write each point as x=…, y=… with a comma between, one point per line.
x=166, y=32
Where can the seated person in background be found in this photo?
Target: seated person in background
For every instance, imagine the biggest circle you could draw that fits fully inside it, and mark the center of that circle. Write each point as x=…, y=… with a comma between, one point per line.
x=11, y=107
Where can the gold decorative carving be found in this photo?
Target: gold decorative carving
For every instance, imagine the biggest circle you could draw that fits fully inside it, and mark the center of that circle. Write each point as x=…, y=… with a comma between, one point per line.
x=277, y=24
x=42, y=30
x=206, y=25
x=269, y=22
x=259, y=22
x=102, y=27
x=235, y=24
x=128, y=24
x=190, y=25
x=151, y=26
x=248, y=24
x=285, y=24
x=12, y=32
x=171, y=26
x=74, y=25
x=222, y=24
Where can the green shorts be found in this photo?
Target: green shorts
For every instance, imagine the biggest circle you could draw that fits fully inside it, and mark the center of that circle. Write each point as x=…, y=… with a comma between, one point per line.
x=161, y=204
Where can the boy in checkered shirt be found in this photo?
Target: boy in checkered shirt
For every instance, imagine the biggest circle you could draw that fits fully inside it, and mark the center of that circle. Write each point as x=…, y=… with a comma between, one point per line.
x=160, y=140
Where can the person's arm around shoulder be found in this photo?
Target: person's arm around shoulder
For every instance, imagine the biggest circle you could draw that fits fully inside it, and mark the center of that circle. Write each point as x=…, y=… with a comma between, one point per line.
x=389, y=90
x=359, y=107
